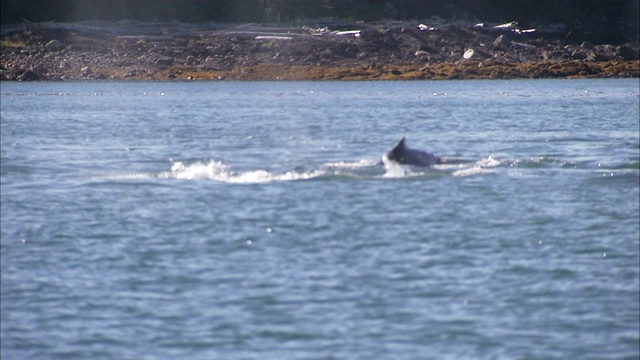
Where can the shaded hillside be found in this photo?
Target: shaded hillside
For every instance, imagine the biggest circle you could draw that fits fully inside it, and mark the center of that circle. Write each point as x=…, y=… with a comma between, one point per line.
x=598, y=21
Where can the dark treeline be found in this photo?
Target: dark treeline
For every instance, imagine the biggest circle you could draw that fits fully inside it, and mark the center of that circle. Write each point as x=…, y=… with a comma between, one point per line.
x=602, y=13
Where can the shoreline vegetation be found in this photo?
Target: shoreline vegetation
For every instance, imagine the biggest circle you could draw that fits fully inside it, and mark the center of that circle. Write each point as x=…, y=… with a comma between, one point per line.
x=326, y=49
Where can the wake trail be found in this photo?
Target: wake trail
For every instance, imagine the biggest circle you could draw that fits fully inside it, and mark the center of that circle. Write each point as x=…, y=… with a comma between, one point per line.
x=218, y=171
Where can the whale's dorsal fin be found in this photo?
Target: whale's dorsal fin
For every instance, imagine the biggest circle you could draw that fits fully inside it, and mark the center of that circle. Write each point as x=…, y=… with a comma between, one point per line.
x=398, y=152
x=400, y=145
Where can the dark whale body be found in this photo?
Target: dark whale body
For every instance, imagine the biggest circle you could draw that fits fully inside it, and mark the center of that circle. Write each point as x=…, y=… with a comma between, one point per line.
x=404, y=155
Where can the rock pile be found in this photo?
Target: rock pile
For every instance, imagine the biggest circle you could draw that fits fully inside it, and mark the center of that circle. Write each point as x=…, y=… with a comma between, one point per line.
x=346, y=51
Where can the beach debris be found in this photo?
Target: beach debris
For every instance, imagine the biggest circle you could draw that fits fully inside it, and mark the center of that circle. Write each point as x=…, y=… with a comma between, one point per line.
x=272, y=37
x=29, y=75
x=54, y=45
x=507, y=26
x=502, y=42
x=355, y=33
x=424, y=27
x=164, y=61
x=510, y=26
x=587, y=45
x=474, y=54
x=86, y=71
x=316, y=31
x=143, y=38
x=523, y=45
x=468, y=54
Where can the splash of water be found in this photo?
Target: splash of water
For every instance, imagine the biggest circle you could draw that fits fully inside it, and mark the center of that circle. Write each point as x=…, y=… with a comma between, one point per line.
x=350, y=165
x=363, y=169
x=397, y=170
x=483, y=166
x=218, y=171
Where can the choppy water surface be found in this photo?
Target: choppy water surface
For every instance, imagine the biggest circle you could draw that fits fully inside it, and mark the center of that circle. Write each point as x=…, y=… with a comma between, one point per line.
x=254, y=220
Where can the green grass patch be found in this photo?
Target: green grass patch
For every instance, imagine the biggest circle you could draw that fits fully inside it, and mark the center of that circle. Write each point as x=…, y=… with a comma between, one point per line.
x=14, y=41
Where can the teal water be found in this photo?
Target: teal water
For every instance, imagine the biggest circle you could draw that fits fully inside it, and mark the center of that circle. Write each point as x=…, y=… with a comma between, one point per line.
x=253, y=220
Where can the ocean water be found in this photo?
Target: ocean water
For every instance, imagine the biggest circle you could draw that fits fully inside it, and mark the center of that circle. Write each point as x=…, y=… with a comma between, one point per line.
x=256, y=220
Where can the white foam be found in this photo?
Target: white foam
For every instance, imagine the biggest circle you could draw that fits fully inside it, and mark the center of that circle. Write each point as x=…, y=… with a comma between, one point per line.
x=488, y=162
x=396, y=170
x=472, y=171
x=366, y=169
x=350, y=165
x=483, y=166
x=131, y=176
x=218, y=171
x=134, y=176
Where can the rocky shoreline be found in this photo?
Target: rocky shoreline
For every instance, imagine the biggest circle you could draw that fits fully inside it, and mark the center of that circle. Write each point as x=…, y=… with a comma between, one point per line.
x=325, y=50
